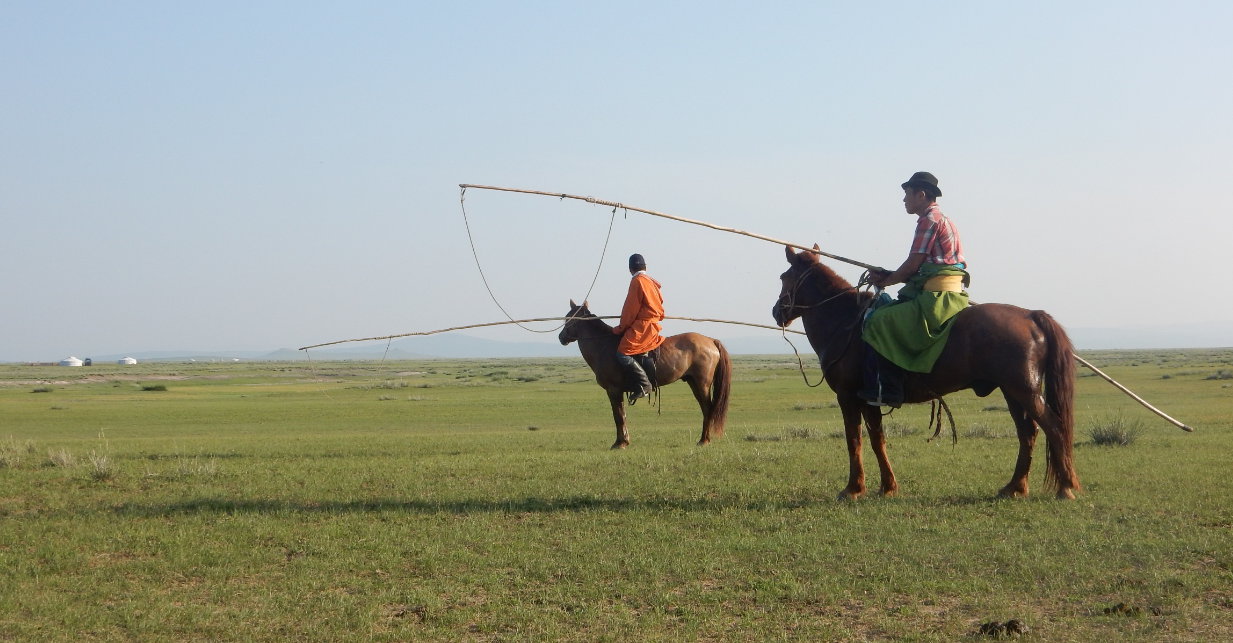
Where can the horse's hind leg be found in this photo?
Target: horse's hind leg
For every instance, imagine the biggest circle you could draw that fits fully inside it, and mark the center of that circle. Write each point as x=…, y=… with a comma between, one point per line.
x=702, y=394
x=618, y=415
x=1061, y=472
x=1026, y=429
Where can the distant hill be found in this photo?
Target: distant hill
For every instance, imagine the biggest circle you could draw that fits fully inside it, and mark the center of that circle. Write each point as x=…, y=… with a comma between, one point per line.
x=461, y=346
x=1203, y=335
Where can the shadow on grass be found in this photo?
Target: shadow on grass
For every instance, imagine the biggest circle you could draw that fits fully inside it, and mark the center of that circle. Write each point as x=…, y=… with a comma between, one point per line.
x=574, y=504
x=577, y=504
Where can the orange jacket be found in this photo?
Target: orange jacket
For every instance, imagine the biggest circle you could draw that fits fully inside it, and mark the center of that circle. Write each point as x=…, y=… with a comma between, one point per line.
x=640, y=316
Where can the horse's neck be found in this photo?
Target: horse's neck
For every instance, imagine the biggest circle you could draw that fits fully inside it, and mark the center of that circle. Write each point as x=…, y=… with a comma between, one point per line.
x=832, y=316
x=597, y=342
x=834, y=319
x=830, y=280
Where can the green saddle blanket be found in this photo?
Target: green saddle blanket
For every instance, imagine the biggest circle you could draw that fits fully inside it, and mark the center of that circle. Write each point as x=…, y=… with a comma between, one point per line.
x=912, y=331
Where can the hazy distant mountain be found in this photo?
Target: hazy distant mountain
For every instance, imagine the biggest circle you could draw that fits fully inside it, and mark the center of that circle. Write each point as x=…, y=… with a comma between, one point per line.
x=456, y=346
x=1205, y=335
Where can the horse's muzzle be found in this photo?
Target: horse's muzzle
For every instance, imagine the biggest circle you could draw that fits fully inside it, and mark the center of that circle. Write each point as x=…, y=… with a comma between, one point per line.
x=778, y=316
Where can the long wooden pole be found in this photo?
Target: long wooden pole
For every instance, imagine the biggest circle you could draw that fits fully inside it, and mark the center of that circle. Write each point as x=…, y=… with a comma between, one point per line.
x=591, y=199
x=854, y=262
x=1138, y=399
x=537, y=319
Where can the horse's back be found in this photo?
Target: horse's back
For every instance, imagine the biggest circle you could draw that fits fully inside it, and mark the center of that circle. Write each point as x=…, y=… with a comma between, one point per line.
x=986, y=339
x=996, y=324
x=679, y=353
x=687, y=341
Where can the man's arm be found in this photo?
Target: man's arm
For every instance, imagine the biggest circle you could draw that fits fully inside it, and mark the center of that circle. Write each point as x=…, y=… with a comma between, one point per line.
x=901, y=274
x=629, y=312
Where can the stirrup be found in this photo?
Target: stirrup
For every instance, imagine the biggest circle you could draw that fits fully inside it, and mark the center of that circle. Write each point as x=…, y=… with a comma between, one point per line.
x=881, y=403
x=634, y=396
x=873, y=399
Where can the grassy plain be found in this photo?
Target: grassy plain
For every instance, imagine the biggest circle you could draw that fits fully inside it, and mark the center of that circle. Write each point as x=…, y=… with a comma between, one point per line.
x=477, y=500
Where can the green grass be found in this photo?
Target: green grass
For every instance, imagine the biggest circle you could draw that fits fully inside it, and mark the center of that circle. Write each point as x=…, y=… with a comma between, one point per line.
x=477, y=500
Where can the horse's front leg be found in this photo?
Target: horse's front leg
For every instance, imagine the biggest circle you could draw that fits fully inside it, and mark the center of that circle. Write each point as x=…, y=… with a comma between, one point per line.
x=877, y=442
x=851, y=409
x=616, y=399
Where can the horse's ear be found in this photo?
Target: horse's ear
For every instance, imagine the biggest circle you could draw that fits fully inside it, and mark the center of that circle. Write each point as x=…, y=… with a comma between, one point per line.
x=585, y=303
x=788, y=251
x=572, y=304
x=816, y=247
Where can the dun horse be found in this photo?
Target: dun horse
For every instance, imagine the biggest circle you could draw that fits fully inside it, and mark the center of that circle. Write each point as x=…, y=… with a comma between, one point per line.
x=701, y=361
x=1023, y=352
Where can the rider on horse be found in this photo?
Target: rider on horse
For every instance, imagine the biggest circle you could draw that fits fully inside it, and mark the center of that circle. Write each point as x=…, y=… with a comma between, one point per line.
x=935, y=275
x=639, y=328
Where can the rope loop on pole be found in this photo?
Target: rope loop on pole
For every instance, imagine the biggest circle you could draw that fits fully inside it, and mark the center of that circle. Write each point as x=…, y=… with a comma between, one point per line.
x=462, y=198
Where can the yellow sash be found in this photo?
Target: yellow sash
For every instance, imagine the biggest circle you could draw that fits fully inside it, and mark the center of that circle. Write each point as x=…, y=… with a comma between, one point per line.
x=945, y=283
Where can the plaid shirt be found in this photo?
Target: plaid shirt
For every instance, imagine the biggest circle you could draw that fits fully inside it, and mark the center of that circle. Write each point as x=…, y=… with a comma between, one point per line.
x=937, y=238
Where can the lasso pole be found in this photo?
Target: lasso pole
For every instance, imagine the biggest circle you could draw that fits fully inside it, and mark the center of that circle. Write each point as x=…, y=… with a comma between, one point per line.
x=537, y=319
x=590, y=199
x=1136, y=398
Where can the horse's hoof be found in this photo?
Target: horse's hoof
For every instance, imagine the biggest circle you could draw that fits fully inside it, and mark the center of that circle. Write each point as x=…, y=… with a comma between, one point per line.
x=889, y=493
x=703, y=443
x=619, y=445
x=1008, y=492
x=1065, y=494
x=846, y=495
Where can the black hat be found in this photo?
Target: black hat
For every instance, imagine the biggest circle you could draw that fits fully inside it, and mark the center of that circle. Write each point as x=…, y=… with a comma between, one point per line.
x=636, y=262
x=923, y=181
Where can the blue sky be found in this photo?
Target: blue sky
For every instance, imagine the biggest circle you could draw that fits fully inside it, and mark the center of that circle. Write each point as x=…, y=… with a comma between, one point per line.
x=244, y=176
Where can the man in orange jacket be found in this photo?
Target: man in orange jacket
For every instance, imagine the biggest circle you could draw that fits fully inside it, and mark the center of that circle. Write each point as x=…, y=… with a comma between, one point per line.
x=640, y=325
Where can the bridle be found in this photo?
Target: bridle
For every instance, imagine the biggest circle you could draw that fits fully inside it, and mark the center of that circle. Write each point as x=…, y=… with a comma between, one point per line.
x=787, y=302
x=787, y=299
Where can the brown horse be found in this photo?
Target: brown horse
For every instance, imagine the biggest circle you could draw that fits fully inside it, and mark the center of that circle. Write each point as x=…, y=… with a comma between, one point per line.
x=1023, y=352
x=701, y=361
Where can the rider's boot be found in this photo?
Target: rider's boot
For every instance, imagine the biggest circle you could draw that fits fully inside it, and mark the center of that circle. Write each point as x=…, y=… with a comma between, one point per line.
x=883, y=381
x=638, y=385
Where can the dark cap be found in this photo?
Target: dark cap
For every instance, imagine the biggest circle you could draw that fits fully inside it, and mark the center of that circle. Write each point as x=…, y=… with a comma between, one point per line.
x=923, y=181
x=636, y=262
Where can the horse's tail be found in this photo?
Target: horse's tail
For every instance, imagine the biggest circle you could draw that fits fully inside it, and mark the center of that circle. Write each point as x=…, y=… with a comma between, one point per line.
x=721, y=388
x=1060, y=399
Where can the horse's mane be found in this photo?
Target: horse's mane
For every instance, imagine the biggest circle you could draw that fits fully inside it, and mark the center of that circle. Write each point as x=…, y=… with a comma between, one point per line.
x=808, y=261
x=832, y=278
x=584, y=316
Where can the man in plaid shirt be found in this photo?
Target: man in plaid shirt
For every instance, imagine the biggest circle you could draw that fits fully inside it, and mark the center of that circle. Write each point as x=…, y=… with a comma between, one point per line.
x=935, y=275
x=936, y=240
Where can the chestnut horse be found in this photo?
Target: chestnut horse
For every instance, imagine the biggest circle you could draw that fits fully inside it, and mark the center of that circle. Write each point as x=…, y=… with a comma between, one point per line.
x=1023, y=352
x=701, y=361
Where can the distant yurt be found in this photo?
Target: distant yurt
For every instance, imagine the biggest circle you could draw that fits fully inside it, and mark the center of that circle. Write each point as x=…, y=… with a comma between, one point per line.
x=70, y=361
x=126, y=360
